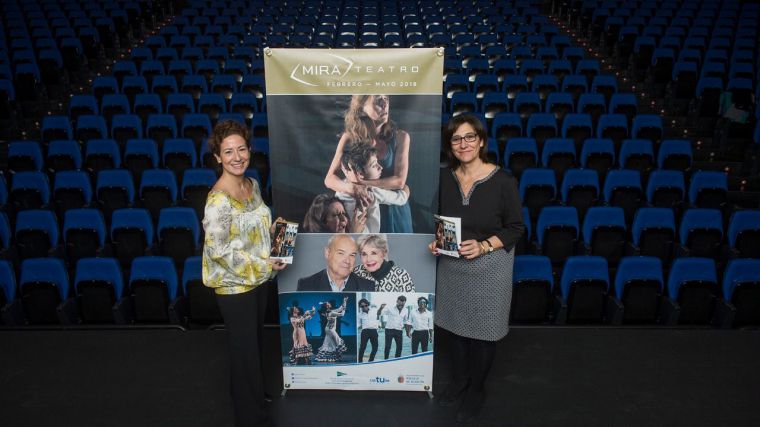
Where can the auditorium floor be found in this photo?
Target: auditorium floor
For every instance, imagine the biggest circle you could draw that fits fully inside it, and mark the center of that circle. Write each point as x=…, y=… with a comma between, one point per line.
x=542, y=377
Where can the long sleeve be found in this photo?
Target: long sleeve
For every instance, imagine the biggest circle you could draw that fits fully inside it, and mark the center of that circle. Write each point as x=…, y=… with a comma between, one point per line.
x=390, y=197
x=513, y=225
x=236, y=246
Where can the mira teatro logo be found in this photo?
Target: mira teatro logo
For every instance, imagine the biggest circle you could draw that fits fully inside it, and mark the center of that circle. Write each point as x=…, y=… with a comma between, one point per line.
x=339, y=67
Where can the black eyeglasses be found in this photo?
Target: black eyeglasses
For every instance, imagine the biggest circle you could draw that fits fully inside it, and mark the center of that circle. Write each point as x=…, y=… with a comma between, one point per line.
x=468, y=138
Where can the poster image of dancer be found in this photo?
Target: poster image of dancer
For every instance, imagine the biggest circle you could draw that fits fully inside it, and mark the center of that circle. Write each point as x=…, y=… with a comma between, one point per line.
x=325, y=334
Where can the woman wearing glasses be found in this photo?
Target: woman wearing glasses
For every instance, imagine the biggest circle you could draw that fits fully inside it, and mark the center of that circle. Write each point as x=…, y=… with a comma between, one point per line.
x=327, y=214
x=474, y=291
x=368, y=119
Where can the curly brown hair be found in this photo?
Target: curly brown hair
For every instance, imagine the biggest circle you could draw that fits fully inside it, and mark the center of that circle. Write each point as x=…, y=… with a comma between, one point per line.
x=224, y=129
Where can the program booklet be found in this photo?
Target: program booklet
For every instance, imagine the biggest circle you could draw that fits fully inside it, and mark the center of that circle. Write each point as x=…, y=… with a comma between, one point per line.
x=284, y=241
x=448, y=235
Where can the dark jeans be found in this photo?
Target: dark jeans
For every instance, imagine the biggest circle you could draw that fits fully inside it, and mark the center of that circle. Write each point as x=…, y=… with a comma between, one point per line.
x=244, y=316
x=395, y=335
x=371, y=336
x=420, y=337
x=471, y=361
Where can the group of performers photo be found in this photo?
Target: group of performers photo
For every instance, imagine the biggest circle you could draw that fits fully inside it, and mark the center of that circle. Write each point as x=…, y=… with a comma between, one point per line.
x=336, y=328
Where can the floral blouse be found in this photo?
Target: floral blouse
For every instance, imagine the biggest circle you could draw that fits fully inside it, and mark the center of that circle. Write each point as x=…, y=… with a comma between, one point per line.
x=237, y=243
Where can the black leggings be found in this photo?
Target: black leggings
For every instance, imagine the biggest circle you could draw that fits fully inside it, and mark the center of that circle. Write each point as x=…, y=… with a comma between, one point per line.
x=471, y=361
x=244, y=317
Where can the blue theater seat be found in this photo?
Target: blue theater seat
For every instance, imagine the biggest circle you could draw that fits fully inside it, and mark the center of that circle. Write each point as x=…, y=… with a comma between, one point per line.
x=741, y=292
x=623, y=188
x=112, y=104
x=71, y=189
x=637, y=154
x=538, y=188
x=701, y=233
x=532, y=284
x=158, y=190
x=82, y=104
x=149, y=103
x=161, y=127
x=463, y=102
x=584, y=286
x=131, y=234
x=666, y=189
x=99, y=286
x=63, y=155
x=744, y=234
x=557, y=232
x=654, y=232
x=604, y=233
x=178, y=155
x=43, y=286
x=201, y=300
x=84, y=233
x=558, y=154
x=114, y=189
x=91, y=127
x=647, y=126
x=55, y=127
x=153, y=285
x=578, y=127
x=9, y=306
x=24, y=156
x=506, y=126
x=624, y=103
x=196, y=127
x=29, y=190
x=542, y=126
x=708, y=189
x=520, y=154
x=196, y=183
x=178, y=233
x=693, y=286
x=639, y=286
x=101, y=154
x=526, y=104
x=613, y=126
x=675, y=154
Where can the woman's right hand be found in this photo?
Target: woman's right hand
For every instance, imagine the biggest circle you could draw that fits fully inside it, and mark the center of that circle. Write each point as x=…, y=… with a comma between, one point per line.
x=359, y=221
x=433, y=250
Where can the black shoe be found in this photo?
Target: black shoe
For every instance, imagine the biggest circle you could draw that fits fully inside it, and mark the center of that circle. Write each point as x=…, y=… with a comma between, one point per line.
x=470, y=406
x=453, y=392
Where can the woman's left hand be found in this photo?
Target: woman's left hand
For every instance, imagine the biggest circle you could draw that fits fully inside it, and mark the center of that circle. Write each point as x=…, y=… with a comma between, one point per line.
x=470, y=249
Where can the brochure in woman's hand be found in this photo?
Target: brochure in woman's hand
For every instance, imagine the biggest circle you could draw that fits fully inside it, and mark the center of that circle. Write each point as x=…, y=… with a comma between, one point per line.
x=448, y=235
x=284, y=241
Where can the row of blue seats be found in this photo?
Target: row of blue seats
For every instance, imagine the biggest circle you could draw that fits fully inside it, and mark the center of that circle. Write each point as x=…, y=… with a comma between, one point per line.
x=560, y=154
x=558, y=103
x=578, y=126
x=605, y=218
x=97, y=292
x=692, y=294
x=158, y=127
x=63, y=155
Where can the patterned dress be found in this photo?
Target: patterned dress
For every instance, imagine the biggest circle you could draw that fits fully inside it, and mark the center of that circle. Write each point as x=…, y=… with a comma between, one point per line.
x=333, y=346
x=301, y=351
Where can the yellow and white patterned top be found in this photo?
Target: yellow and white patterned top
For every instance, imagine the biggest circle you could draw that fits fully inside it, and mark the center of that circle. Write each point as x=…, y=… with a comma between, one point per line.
x=237, y=243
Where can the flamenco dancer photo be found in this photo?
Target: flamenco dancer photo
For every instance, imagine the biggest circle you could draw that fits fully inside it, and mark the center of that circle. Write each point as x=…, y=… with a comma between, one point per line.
x=333, y=347
x=301, y=352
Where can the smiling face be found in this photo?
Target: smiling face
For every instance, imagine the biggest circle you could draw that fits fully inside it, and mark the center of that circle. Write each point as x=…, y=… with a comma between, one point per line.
x=341, y=257
x=234, y=155
x=465, y=143
x=336, y=219
x=376, y=108
x=372, y=257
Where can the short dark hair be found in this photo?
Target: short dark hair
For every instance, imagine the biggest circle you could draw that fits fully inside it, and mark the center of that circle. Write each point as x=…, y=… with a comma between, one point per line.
x=420, y=299
x=452, y=127
x=363, y=301
x=356, y=154
x=402, y=298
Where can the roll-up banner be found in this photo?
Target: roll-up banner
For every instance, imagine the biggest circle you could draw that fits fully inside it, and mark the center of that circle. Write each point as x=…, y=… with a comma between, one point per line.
x=354, y=140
